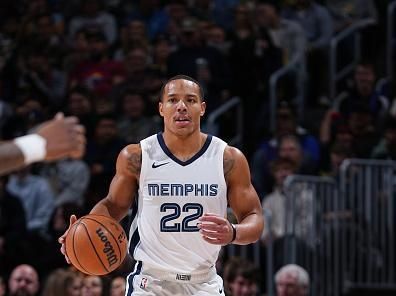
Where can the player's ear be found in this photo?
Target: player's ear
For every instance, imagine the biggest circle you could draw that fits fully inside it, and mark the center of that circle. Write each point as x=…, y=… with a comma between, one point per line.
x=203, y=108
x=160, y=109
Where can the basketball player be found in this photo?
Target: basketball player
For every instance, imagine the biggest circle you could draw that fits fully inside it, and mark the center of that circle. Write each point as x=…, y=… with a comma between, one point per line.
x=54, y=139
x=184, y=180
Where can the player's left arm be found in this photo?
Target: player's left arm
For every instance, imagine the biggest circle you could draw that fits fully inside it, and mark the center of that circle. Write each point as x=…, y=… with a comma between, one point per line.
x=242, y=197
x=244, y=202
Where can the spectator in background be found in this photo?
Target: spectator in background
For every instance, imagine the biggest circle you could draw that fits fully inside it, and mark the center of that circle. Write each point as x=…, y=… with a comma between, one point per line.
x=386, y=147
x=36, y=196
x=286, y=124
x=49, y=30
x=62, y=282
x=314, y=19
x=160, y=53
x=285, y=34
x=338, y=153
x=98, y=73
x=152, y=14
x=69, y=179
x=217, y=38
x=292, y=280
x=365, y=136
x=92, y=286
x=346, y=12
x=78, y=51
x=133, y=35
x=363, y=92
x=92, y=15
x=247, y=72
x=177, y=12
x=290, y=148
x=204, y=63
x=47, y=256
x=29, y=112
x=118, y=286
x=79, y=103
x=392, y=97
x=101, y=154
x=317, y=24
x=133, y=124
x=275, y=201
x=24, y=280
x=280, y=208
x=140, y=76
x=12, y=230
x=241, y=278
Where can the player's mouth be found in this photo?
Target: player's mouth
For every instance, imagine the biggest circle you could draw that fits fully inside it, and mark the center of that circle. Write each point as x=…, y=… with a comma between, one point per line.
x=182, y=121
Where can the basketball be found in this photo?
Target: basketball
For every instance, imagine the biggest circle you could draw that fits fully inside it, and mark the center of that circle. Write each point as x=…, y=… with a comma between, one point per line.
x=96, y=244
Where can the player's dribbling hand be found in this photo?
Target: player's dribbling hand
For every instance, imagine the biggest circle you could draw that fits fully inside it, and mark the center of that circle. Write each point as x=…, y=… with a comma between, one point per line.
x=215, y=229
x=62, y=239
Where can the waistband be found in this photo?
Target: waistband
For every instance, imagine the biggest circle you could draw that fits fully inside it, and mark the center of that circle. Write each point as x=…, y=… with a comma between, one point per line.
x=180, y=277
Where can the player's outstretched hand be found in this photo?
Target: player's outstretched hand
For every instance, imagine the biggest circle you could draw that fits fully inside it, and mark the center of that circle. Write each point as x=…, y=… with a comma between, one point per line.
x=62, y=239
x=215, y=229
x=65, y=137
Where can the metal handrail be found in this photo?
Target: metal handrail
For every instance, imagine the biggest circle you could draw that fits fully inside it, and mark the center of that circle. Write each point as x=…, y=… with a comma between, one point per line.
x=291, y=66
x=212, y=127
x=390, y=40
x=353, y=29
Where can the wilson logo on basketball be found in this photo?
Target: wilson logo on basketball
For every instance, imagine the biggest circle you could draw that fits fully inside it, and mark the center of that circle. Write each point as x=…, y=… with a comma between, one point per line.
x=108, y=248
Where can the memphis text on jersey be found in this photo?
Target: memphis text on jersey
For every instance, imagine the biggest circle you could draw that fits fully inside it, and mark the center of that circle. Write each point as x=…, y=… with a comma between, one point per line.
x=170, y=189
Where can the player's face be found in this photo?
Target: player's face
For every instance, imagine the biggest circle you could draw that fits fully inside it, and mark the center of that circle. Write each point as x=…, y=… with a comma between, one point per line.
x=182, y=107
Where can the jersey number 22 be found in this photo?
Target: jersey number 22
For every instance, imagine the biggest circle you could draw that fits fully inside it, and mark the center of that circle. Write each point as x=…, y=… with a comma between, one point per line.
x=168, y=226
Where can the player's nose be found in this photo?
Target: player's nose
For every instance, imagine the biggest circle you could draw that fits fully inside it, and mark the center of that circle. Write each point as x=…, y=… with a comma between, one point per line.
x=181, y=106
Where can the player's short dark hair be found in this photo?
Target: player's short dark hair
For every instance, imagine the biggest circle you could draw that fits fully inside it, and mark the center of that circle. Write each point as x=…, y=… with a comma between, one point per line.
x=184, y=77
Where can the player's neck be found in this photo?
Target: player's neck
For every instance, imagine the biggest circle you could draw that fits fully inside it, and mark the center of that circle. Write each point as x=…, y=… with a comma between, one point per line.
x=184, y=147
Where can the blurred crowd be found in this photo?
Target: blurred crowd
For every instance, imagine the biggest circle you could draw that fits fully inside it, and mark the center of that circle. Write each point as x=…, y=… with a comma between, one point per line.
x=104, y=61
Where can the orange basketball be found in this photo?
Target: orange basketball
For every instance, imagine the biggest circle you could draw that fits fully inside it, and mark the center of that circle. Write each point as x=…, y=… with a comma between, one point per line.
x=96, y=244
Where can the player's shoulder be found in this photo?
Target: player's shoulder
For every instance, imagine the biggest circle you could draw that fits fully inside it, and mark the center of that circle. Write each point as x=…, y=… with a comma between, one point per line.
x=131, y=150
x=232, y=159
x=129, y=160
x=231, y=152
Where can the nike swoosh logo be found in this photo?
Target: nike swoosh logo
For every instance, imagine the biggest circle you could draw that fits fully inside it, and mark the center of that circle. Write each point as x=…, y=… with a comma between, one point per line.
x=154, y=166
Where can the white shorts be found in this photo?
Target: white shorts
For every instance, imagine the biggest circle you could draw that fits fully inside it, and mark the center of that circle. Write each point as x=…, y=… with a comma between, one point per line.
x=145, y=281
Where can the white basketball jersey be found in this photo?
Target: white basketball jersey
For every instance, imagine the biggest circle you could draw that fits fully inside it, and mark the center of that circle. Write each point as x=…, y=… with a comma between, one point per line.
x=172, y=195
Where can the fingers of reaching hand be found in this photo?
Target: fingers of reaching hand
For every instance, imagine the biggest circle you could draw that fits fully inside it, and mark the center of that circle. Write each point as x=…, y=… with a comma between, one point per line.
x=77, y=140
x=215, y=229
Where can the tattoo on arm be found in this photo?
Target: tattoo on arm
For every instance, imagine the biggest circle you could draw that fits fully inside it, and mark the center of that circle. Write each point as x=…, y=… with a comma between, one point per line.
x=228, y=165
x=135, y=163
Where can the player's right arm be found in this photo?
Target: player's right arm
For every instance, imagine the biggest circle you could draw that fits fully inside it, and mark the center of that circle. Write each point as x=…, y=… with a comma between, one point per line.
x=124, y=185
x=122, y=189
